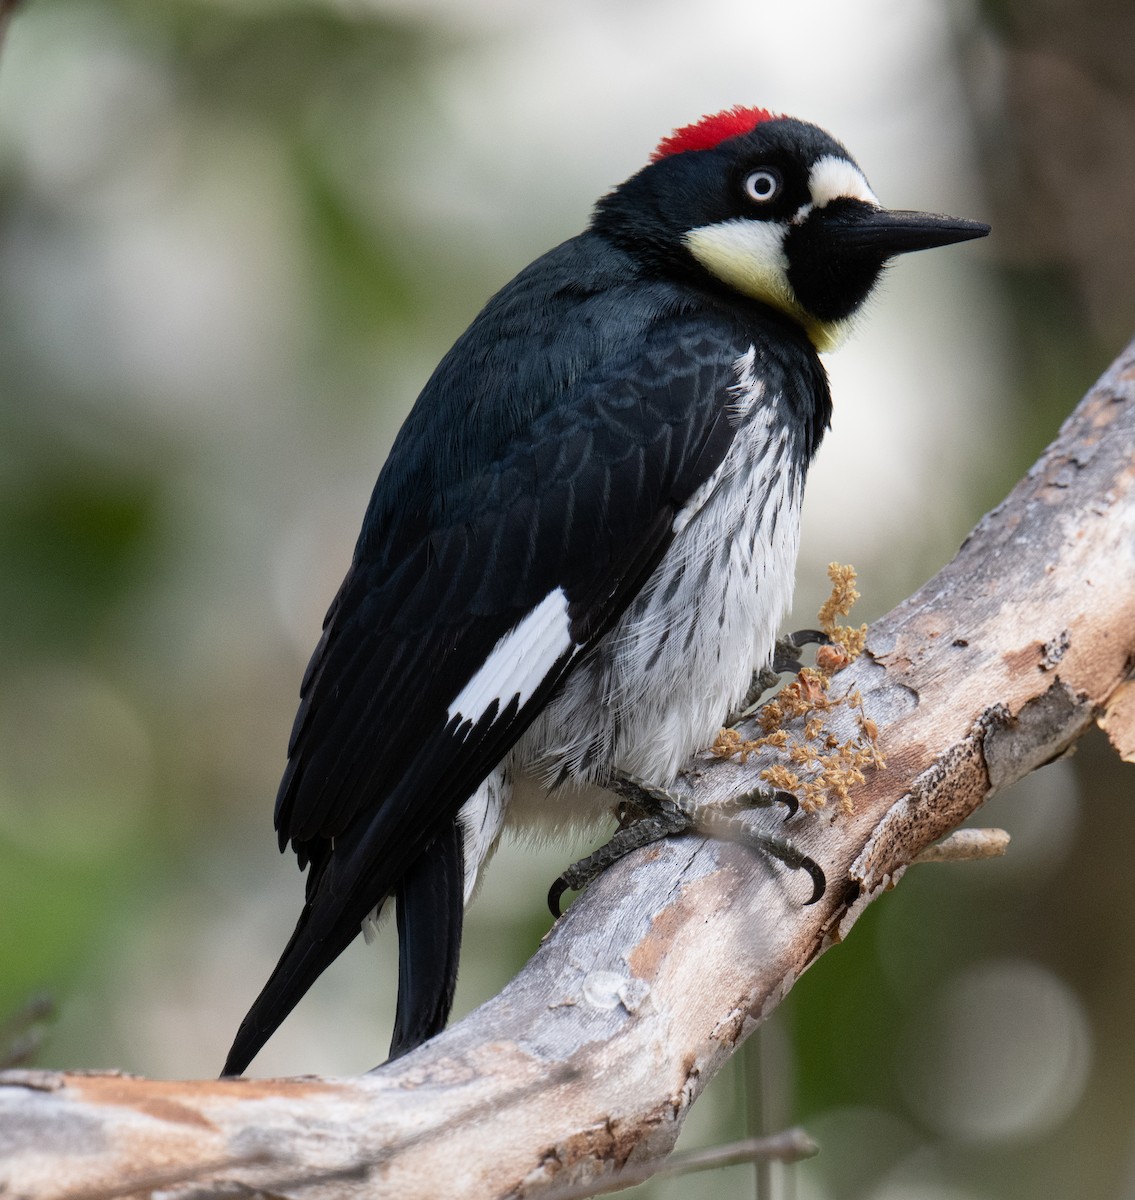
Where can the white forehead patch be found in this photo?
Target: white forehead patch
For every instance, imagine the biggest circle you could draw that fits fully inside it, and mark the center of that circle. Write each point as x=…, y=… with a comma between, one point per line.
x=834, y=178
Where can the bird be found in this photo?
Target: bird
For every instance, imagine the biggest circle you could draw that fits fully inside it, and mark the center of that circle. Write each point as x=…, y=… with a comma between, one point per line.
x=582, y=543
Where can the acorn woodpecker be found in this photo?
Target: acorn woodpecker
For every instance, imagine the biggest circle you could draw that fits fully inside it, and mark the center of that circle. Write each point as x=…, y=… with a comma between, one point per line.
x=582, y=543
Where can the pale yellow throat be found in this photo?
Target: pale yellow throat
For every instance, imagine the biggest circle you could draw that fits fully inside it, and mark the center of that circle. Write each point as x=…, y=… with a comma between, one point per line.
x=749, y=256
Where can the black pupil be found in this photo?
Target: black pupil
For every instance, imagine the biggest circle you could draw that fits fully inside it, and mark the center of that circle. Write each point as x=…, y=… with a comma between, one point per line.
x=762, y=185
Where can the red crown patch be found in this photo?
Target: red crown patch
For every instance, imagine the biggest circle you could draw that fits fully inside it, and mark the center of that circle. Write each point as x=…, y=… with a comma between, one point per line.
x=712, y=130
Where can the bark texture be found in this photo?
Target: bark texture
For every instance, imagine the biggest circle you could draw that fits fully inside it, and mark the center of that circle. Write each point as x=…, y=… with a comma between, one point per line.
x=591, y=1057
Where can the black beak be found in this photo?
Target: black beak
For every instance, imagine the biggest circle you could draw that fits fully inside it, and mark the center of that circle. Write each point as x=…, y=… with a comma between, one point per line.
x=836, y=253
x=881, y=233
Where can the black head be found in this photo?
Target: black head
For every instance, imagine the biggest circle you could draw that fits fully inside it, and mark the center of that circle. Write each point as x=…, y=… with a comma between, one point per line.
x=775, y=209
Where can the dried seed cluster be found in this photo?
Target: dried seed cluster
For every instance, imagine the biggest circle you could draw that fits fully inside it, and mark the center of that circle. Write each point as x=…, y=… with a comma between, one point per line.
x=822, y=767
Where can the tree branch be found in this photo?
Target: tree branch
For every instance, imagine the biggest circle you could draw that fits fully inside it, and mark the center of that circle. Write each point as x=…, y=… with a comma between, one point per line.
x=589, y=1060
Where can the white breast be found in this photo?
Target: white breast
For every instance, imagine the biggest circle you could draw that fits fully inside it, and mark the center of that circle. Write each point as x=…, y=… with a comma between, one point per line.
x=658, y=685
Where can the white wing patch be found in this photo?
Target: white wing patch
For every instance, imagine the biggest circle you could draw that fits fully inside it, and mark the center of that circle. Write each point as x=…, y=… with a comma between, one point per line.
x=519, y=662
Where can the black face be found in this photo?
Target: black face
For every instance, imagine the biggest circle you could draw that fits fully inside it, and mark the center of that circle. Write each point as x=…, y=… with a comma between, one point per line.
x=761, y=176
x=830, y=277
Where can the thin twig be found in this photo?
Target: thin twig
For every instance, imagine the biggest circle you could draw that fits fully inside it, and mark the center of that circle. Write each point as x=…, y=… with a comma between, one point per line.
x=967, y=845
x=788, y=1146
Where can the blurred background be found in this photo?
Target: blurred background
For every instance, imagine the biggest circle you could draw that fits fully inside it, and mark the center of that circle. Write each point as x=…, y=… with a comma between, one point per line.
x=235, y=237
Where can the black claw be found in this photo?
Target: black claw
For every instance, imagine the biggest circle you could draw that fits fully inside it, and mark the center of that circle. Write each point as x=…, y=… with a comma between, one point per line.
x=765, y=797
x=809, y=637
x=786, y=853
x=555, y=894
x=667, y=819
x=786, y=656
x=789, y=800
x=819, y=880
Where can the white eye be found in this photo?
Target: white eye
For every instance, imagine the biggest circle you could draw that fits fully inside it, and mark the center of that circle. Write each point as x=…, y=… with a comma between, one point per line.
x=762, y=185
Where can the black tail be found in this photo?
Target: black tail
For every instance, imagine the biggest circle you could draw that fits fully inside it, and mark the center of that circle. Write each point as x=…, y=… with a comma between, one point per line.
x=309, y=952
x=431, y=906
x=430, y=910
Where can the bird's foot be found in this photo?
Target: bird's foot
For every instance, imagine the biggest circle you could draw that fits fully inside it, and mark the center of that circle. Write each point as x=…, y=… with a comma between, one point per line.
x=648, y=814
x=785, y=658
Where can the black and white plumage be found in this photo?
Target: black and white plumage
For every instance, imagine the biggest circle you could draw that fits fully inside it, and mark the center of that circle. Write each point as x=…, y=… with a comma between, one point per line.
x=582, y=543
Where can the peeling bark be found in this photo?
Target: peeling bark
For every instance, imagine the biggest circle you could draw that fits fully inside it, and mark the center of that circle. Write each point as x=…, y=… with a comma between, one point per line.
x=590, y=1058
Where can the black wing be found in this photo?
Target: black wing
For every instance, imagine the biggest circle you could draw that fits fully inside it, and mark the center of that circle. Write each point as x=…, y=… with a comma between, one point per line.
x=449, y=634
